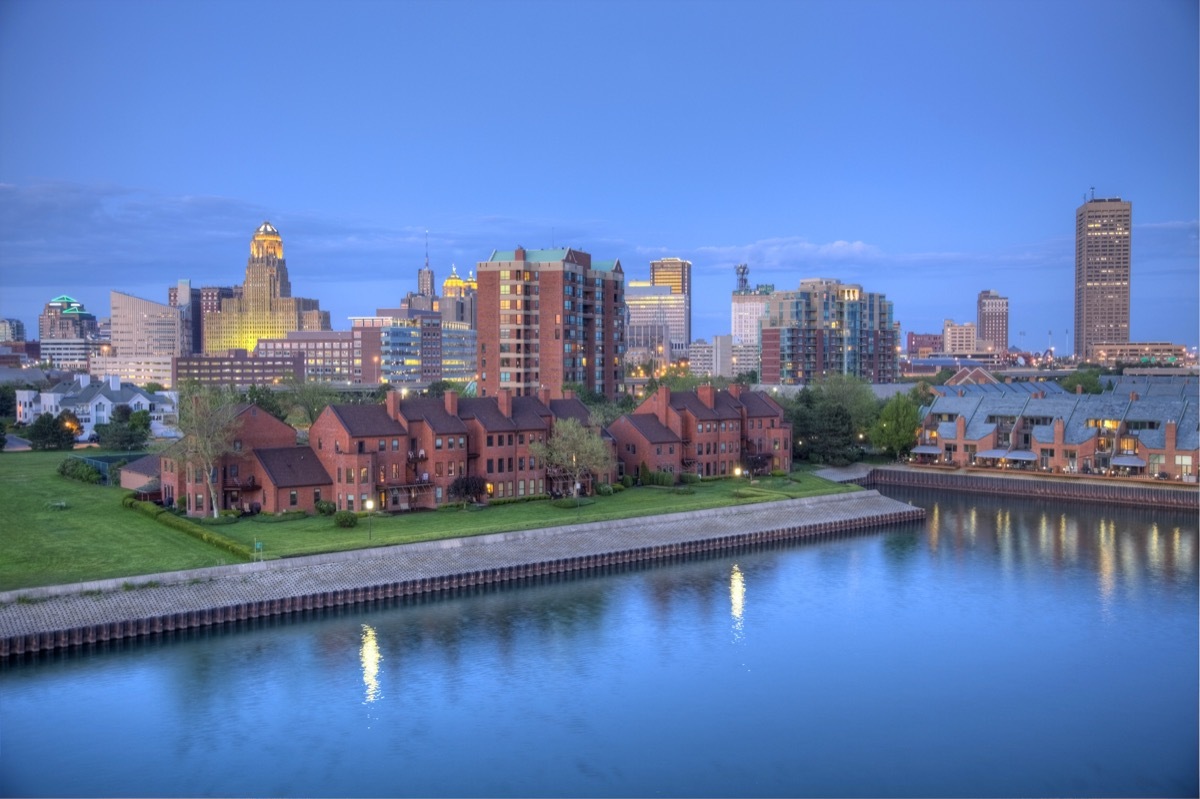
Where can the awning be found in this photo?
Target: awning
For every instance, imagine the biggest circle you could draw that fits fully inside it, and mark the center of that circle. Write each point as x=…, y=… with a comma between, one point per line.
x=1128, y=460
x=1021, y=455
x=926, y=449
x=992, y=453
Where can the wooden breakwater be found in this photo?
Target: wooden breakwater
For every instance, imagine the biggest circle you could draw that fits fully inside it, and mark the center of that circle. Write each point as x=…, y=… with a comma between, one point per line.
x=1114, y=492
x=47, y=627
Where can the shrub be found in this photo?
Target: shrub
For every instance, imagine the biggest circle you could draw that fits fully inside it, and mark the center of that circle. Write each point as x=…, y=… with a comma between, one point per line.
x=778, y=473
x=618, y=488
x=604, y=490
x=660, y=479
x=212, y=537
x=514, y=500
x=689, y=479
x=325, y=507
x=210, y=521
x=76, y=469
x=627, y=481
x=644, y=474
x=345, y=518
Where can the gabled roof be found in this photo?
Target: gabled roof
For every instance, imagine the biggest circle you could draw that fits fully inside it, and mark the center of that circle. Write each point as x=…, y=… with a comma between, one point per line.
x=690, y=401
x=148, y=465
x=486, y=411
x=361, y=421
x=291, y=467
x=432, y=411
x=757, y=404
x=651, y=429
x=530, y=413
x=572, y=408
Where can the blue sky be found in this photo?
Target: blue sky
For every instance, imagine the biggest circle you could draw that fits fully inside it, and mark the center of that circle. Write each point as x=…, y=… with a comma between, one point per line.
x=925, y=150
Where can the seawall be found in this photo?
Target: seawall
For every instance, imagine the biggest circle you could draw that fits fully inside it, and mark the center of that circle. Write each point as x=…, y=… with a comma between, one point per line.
x=61, y=617
x=1114, y=492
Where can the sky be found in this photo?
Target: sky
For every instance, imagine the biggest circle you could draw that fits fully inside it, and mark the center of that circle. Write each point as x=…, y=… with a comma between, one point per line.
x=925, y=150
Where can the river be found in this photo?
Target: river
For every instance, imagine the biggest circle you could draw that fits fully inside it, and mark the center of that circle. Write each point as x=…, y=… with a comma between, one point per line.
x=1000, y=648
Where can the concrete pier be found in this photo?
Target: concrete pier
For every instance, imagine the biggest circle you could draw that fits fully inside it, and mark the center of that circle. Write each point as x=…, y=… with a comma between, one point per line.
x=55, y=617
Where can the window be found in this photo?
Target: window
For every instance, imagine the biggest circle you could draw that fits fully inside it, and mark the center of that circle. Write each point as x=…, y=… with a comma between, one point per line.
x=316, y=495
x=292, y=498
x=489, y=465
x=233, y=470
x=437, y=443
x=339, y=474
x=520, y=438
x=437, y=469
x=237, y=445
x=199, y=501
x=382, y=445
x=395, y=445
x=318, y=442
x=521, y=464
x=462, y=442
x=489, y=441
x=362, y=475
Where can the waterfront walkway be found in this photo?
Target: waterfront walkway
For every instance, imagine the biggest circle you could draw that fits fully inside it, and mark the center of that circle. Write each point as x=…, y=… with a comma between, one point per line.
x=36, y=619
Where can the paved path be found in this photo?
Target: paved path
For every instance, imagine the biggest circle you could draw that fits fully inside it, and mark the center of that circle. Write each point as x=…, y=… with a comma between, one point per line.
x=55, y=608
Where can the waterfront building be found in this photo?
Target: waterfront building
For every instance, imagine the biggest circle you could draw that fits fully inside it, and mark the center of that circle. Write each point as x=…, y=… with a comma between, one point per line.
x=705, y=432
x=1103, y=270
x=93, y=400
x=991, y=320
x=66, y=318
x=12, y=330
x=241, y=478
x=1152, y=433
x=548, y=318
x=826, y=327
x=365, y=451
x=266, y=307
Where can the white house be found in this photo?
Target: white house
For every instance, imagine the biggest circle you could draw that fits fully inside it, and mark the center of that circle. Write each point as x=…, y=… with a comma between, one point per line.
x=92, y=401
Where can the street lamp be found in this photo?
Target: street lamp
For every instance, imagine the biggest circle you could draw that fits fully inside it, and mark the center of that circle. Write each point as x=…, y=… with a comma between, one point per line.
x=370, y=517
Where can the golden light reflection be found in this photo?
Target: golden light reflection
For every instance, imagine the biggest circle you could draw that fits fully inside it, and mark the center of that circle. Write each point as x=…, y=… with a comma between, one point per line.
x=1107, y=561
x=369, y=656
x=1154, y=549
x=737, y=600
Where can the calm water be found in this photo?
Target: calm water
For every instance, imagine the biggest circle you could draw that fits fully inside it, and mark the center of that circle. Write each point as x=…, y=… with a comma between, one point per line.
x=1001, y=649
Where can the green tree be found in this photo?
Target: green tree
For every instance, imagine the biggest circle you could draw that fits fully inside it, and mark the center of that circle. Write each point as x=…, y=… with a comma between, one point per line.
x=308, y=398
x=572, y=452
x=154, y=388
x=3, y=436
x=49, y=432
x=1088, y=380
x=126, y=430
x=468, y=487
x=8, y=401
x=832, y=439
x=895, y=431
x=602, y=411
x=438, y=388
x=208, y=419
x=268, y=400
x=852, y=393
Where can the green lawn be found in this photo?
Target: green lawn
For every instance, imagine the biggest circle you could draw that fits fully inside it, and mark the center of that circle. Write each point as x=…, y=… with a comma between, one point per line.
x=95, y=538
x=92, y=538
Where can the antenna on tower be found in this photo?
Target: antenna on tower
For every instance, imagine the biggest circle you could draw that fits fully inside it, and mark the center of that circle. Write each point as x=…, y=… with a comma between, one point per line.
x=426, y=248
x=1093, y=192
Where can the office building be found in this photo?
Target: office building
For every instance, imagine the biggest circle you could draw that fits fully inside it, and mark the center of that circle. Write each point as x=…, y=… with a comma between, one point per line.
x=66, y=318
x=1102, y=274
x=145, y=336
x=749, y=307
x=548, y=318
x=266, y=307
x=676, y=274
x=991, y=320
x=656, y=320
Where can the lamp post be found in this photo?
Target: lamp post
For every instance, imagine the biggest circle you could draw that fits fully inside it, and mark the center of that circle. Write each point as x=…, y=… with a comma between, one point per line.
x=370, y=517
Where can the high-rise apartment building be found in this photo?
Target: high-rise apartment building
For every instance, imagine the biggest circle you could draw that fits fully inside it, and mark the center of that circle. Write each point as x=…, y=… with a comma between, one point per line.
x=826, y=327
x=266, y=307
x=65, y=317
x=12, y=330
x=991, y=320
x=548, y=318
x=677, y=274
x=1102, y=274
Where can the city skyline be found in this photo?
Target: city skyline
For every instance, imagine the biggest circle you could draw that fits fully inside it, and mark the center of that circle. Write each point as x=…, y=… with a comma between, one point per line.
x=901, y=148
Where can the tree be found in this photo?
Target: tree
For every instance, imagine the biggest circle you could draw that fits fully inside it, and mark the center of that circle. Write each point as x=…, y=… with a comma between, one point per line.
x=601, y=411
x=1086, y=380
x=154, y=388
x=8, y=401
x=126, y=431
x=208, y=419
x=573, y=452
x=309, y=398
x=3, y=436
x=832, y=440
x=895, y=431
x=468, y=487
x=51, y=432
x=268, y=400
x=852, y=393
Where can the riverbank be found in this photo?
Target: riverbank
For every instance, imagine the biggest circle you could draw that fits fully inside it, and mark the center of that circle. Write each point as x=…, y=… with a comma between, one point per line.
x=58, y=617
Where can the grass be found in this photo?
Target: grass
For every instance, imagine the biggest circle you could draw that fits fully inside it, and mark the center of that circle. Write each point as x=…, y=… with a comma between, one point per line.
x=57, y=530
x=94, y=538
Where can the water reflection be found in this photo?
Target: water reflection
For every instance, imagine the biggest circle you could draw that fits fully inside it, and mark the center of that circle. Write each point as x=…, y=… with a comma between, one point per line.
x=369, y=656
x=737, y=600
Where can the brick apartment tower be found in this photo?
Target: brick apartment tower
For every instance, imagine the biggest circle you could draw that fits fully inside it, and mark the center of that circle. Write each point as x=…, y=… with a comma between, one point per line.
x=547, y=318
x=1102, y=274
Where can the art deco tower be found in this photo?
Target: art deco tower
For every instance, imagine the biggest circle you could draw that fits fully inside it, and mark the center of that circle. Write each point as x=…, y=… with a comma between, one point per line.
x=1102, y=273
x=266, y=307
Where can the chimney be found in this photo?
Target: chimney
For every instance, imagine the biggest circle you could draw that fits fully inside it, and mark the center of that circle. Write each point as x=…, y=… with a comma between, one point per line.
x=114, y=382
x=735, y=390
x=544, y=396
x=662, y=400
x=393, y=404
x=1133, y=396
x=707, y=395
x=451, y=398
x=519, y=253
x=504, y=400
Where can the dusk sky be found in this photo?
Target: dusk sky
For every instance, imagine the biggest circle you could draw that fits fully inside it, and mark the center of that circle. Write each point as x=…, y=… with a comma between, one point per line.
x=926, y=150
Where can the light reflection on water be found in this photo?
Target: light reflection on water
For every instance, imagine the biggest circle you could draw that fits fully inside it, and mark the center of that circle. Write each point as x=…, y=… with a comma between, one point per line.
x=1005, y=648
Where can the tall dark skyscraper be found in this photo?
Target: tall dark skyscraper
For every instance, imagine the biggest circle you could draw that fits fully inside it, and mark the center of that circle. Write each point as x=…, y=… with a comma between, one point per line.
x=1102, y=274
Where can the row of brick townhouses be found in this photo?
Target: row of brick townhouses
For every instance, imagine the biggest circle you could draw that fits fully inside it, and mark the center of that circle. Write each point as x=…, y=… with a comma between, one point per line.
x=406, y=453
x=705, y=432
x=1112, y=433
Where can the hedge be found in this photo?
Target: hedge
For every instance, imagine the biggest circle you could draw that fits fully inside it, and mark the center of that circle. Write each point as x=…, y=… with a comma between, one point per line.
x=345, y=518
x=184, y=525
